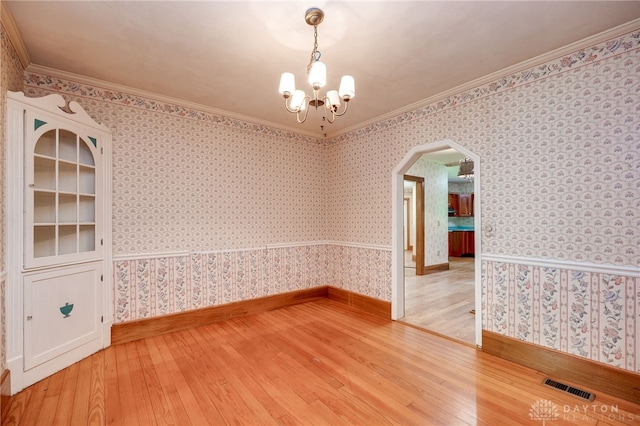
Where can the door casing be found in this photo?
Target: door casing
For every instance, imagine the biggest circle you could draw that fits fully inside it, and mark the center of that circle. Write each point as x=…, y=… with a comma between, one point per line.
x=397, y=228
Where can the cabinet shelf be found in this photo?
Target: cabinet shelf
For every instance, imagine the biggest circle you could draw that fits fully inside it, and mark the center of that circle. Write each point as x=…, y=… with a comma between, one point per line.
x=45, y=157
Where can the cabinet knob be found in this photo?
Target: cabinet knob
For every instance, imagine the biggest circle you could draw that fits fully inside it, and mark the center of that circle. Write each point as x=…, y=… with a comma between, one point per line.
x=29, y=318
x=31, y=185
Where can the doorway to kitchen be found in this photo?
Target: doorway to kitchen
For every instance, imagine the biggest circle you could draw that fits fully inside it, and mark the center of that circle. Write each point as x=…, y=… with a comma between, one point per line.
x=447, y=299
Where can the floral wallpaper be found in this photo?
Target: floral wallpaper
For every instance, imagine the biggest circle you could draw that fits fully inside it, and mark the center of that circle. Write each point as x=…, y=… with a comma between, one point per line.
x=187, y=182
x=258, y=210
x=589, y=314
x=11, y=79
x=436, y=235
x=148, y=287
x=559, y=147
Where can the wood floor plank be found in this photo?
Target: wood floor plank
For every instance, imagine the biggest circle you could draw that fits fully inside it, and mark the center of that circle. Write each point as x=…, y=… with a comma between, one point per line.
x=318, y=363
x=52, y=392
x=112, y=407
x=253, y=378
x=20, y=406
x=181, y=401
x=141, y=388
x=126, y=390
x=232, y=390
x=64, y=407
x=195, y=378
x=359, y=376
x=160, y=407
x=80, y=406
x=96, y=415
x=194, y=398
x=441, y=302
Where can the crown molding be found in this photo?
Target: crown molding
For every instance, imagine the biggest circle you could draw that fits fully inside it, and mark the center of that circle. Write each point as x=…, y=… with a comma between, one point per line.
x=94, y=82
x=15, y=38
x=514, y=69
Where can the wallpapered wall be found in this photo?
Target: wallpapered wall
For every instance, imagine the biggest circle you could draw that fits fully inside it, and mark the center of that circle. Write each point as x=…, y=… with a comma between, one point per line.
x=588, y=314
x=436, y=246
x=190, y=181
x=11, y=78
x=560, y=148
x=566, y=130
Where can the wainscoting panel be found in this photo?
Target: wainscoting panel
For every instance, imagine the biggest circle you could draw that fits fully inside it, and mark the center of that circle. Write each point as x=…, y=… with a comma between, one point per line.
x=155, y=285
x=360, y=269
x=587, y=310
x=151, y=285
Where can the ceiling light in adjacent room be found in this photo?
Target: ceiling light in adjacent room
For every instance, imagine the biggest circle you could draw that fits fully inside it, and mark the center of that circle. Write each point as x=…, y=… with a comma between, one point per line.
x=466, y=169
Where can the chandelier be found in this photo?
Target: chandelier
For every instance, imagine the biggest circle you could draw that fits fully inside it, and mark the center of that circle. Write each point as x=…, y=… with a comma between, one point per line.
x=297, y=101
x=466, y=169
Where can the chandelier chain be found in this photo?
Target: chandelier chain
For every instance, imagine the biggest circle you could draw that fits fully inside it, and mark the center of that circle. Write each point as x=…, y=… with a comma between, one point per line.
x=315, y=53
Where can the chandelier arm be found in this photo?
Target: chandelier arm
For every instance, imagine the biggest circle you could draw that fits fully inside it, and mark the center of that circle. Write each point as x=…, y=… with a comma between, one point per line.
x=306, y=111
x=294, y=111
x=332, y=116
x=346, y=105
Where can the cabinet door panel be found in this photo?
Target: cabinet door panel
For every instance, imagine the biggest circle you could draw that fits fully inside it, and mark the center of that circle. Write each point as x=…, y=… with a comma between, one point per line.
x=465, y=202
x=61, y=311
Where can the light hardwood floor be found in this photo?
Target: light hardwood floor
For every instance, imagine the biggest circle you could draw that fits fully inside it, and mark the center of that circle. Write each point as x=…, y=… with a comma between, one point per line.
x=442, y=301
x=315, y=363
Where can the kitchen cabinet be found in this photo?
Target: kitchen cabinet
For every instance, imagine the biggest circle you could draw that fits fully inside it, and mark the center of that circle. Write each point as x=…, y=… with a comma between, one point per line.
x=465, y=205
x=453, y=205
x=460, y=205
x=461, y=243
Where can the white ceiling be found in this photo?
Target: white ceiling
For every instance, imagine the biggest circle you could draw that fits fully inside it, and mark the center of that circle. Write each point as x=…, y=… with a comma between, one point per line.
x=228, y=55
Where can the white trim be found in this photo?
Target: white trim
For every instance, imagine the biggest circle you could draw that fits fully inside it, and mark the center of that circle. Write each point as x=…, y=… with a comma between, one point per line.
x=135, y=256
x=298, y=244
x=627, y=271
x=359, y=245
x=397, y=228
x=14, y=221
x=490, y=78
x=108, y=305
x=51, y=102
x=11, y=28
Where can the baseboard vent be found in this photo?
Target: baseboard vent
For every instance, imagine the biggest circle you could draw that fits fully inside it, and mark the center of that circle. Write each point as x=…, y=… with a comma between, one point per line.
x=570, y=389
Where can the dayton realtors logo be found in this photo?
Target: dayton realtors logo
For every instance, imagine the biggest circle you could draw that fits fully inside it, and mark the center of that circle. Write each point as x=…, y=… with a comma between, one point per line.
x=543, y=410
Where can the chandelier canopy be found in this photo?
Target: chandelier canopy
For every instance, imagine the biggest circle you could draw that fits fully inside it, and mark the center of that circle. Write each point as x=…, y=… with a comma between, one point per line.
x=297, y=101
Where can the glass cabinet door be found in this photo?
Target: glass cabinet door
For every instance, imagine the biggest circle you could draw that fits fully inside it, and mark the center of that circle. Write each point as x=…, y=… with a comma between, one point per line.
x=63, y=195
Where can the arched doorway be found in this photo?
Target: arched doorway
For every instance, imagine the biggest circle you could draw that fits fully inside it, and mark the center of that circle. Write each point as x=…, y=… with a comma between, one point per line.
x=397, y=250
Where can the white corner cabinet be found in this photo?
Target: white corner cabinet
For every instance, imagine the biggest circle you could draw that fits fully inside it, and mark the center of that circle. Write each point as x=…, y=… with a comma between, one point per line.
x=59, y=306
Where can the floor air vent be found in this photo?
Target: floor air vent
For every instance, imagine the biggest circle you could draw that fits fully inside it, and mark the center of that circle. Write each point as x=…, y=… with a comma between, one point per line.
x=570, y=389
